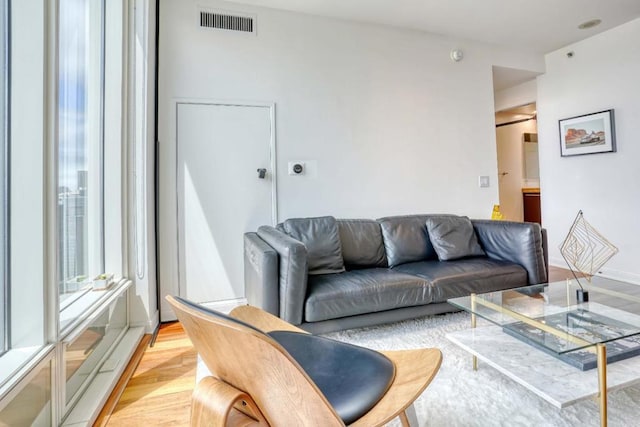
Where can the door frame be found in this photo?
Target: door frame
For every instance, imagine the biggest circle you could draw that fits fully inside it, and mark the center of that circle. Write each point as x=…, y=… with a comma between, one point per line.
x=272, y=153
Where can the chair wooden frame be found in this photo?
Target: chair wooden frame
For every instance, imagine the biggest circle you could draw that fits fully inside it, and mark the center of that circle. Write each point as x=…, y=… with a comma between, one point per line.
x=255, y=382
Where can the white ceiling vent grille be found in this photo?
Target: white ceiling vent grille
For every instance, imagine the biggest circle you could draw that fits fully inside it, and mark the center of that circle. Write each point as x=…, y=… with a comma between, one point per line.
x=226, y=21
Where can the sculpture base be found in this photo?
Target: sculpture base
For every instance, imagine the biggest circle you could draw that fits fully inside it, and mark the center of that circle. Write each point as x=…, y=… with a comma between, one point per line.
x=582, y=295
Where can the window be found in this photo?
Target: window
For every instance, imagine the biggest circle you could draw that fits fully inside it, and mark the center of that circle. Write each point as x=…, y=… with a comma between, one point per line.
x=57, y=338
x=4, y=172
x=80, y=146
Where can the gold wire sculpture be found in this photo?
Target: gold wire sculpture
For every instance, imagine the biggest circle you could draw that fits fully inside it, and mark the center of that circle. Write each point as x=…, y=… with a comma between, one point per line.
x=586, y=250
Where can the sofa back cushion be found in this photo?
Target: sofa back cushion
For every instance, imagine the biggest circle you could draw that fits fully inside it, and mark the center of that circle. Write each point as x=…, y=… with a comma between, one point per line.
x=453, y=237
x=320, y=236
x=362, y=245
x=406, y=239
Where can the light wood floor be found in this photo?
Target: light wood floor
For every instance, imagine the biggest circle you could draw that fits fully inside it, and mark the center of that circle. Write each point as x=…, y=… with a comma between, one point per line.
x=159, y=392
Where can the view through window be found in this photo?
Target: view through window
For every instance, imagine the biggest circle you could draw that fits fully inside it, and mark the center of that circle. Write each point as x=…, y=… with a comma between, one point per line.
x=80, y=146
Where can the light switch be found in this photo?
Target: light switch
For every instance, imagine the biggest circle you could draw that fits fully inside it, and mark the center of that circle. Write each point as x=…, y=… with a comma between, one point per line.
x=483, y=181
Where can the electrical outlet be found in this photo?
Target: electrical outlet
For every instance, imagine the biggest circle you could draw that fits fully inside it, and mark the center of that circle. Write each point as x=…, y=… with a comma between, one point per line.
x=483, y=181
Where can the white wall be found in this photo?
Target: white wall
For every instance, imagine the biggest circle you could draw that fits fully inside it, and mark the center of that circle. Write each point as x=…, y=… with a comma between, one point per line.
x=394, y=125
x=522, y=94
x=388, y=123
x=603, y=73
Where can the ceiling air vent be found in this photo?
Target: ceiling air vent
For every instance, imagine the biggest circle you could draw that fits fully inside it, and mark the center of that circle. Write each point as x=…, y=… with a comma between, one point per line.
x=225, y=21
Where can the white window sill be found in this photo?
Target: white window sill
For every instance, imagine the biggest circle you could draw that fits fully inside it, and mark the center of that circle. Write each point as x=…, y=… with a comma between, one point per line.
x=82, y=308
x=86, y=410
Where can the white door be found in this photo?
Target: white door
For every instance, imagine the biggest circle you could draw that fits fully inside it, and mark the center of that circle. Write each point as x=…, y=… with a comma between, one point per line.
x=220, y=194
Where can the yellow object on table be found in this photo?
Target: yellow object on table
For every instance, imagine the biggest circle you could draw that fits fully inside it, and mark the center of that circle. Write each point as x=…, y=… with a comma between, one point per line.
x=496, y=214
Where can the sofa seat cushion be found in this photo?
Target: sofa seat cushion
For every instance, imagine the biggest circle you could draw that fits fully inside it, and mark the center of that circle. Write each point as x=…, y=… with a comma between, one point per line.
x=462, y=277
x=330, y=296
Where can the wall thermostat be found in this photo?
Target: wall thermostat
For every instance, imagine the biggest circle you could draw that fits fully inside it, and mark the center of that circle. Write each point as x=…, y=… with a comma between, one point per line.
x=296, y=168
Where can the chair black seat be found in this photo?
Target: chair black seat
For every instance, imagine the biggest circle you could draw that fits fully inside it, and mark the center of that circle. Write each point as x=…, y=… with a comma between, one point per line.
x=353, y=379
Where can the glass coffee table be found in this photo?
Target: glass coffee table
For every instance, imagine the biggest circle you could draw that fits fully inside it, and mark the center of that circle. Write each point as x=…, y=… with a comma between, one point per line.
x=562, y=350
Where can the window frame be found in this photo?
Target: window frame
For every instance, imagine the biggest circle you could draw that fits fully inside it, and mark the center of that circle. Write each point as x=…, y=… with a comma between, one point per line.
x=5, y=172
x=96, y=203
x=28, y=335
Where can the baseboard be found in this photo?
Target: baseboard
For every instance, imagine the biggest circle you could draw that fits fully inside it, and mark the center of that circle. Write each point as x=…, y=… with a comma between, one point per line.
x=103, y=417
x=153, y=323
x=88, y=408
x=150, y=325
x=609, y=273
x=623, y=276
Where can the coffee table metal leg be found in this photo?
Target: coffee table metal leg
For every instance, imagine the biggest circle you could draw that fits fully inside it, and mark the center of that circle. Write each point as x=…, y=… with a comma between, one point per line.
x=601, y=350
x=473, y=325
x=409, y=418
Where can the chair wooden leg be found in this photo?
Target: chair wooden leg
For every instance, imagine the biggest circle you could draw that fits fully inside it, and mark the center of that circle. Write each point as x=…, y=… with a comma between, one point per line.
x=404, y=420
x=217, y=404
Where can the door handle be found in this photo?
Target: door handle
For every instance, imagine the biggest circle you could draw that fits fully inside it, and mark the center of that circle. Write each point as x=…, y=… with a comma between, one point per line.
x=262, y=172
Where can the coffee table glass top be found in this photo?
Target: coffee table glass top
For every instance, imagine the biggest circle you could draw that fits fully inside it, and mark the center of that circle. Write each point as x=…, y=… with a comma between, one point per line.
x=550, y=316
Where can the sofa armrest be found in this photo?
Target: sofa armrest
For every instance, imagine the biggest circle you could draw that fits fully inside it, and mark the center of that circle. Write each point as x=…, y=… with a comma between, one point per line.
x=292, y=272
x=261, y=274
x=517, y=242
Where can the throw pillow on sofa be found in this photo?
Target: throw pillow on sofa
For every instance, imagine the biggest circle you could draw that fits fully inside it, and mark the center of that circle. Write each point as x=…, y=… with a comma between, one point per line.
x=320, y=236
x=453, y=237
x=406, y=239
x=362, y=244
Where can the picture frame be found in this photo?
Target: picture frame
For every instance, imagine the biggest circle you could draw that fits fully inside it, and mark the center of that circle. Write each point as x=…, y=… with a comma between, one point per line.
x=588, y=134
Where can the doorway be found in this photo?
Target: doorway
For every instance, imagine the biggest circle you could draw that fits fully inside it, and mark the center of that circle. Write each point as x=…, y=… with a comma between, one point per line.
x=518, y=171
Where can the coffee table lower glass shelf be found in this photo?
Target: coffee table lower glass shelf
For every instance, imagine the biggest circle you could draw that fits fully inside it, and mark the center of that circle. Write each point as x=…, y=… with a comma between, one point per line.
x=544, y=340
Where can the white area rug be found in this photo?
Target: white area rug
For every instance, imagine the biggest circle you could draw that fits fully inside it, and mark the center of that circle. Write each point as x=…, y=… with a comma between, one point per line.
x=458, y=396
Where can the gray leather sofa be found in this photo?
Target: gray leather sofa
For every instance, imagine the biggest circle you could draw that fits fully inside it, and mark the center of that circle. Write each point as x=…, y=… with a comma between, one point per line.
x=324, y=274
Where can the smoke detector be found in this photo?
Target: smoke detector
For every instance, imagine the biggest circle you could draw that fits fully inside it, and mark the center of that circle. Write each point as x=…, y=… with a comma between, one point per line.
x=456, y=55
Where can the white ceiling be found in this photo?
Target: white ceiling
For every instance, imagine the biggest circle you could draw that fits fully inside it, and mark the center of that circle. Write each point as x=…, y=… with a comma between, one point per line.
x=504, y=77
x=532, y=25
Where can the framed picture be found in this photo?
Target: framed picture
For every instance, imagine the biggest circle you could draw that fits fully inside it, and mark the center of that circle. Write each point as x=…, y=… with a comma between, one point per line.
x=588, y=134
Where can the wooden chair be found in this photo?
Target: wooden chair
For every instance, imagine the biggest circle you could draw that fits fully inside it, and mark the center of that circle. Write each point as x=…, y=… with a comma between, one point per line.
x=255, y=382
